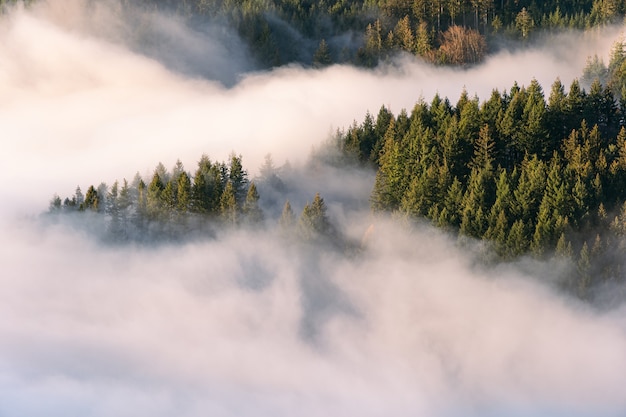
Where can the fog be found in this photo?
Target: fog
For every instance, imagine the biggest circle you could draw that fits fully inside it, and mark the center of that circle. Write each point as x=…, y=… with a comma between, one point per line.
x=244, y=324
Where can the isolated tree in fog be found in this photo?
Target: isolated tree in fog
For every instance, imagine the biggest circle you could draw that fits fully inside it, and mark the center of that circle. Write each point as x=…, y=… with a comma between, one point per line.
x=314, y=222
x=287, y=219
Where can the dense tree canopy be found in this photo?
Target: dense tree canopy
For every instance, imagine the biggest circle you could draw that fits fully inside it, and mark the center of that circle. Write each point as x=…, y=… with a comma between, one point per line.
x=176, y=205
x=526, y=174
x=320, y=32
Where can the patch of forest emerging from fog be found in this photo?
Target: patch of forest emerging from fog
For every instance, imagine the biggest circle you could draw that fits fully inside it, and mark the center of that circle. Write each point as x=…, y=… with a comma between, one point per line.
x=525, y=172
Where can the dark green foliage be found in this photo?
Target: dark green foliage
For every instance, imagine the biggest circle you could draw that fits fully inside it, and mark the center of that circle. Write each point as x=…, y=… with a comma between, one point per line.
x=253, y=215
x=314, y=224
x=229, y=209
x=173, y=204
x=208, y=184
x=279, y=32
x=238, y=178
x=322, y=57
x=529, y=176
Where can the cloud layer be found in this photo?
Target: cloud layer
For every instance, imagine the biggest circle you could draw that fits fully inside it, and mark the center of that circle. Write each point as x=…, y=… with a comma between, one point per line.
x=245, y=325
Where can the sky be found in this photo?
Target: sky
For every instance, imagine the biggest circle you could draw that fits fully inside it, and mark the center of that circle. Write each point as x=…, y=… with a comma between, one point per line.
x=244, y=325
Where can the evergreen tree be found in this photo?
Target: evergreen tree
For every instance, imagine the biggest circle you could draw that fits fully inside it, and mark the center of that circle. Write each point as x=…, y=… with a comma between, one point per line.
x=584, y=266
x=238, y=177
x=314, y=223
x=390, y=178
x=322, y=57
x=484, y=149
x=229, y=209
x=517, y=240
x=183, y=193
x=55, y=204
x=113, y=210
x=154, y=202
x=524, y=23
x=252, y=212
x=287, y=219
x=92, y=200
x=78, y=199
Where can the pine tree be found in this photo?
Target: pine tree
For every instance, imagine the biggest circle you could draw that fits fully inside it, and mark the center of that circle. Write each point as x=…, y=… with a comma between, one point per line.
x=484, y=149
x=555, y=117
x=113, y=210
x=238, y=177
x=183, y=193
x=404, y=35
x=229, y=209
x=584, y=267
x=517, y=240
x=154, y=202
x=208, y=185
x=253, y=214
x=314, y=223
x=322, y=57
x=564, y=247
x=55, y=204
x=78, y=199
x=390, y=181
x=532, y=140
x=524, y=23
x=92, y=200
x=287, y=219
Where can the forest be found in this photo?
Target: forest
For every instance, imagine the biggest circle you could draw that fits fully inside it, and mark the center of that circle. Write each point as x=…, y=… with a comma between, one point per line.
x=364, y=33
x=176, y=206
x=445, y=32
x=528, y=173
x=449, y=32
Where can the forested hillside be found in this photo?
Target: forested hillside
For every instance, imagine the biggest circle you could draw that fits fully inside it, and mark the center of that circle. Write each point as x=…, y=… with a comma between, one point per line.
x=527, y=173
x=322, y=32
x=364, y=32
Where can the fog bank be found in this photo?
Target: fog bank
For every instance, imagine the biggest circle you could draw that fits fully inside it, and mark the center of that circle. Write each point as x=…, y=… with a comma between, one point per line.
x=249, y=326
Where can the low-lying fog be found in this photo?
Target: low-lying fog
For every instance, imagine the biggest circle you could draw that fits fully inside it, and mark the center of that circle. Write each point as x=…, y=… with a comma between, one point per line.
x=244, y=325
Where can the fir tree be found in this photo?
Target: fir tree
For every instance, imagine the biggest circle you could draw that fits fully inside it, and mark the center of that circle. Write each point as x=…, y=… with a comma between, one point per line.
x=253, y=214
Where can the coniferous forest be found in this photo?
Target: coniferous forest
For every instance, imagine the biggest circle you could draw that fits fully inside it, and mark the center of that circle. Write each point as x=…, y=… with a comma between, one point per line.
x=364, y=33
x=530, y=173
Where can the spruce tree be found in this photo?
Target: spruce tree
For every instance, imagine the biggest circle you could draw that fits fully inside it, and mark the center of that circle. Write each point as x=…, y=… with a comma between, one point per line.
x=229, y=209
x=252, y=212
x=287, y=220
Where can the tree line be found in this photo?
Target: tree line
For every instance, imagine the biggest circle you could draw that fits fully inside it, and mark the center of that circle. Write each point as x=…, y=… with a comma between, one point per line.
x=364, y=32
x=175, y=205
x=525, y=174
